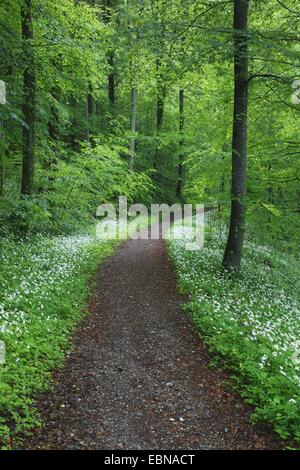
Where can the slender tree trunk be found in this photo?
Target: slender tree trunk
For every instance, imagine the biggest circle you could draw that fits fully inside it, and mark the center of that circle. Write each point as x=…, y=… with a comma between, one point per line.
x=133, y=125
x=234, y=247
x=87, y=121
x=222, y=178
x=2, y=143
x=29, y=96
x=298, y=201
x=111, y=83
x=2, y=161
x=2, y=174
x=134, y=93
x=74, y=130
x=181, y=144
x=107, y=18
x=90, y=100
x=270, y=185
x=270, y=196
x=89, y=109
x=160, y=107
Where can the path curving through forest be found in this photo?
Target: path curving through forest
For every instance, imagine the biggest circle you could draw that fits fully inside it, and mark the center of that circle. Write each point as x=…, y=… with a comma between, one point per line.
x=139, y=376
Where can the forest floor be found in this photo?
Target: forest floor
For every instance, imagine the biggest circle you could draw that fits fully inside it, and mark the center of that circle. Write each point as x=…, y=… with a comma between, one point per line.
x=138, y=376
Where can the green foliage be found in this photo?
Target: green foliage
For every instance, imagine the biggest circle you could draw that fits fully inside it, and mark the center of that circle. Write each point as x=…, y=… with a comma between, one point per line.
x=44, y=293
x=193, y=43
x=24, y=216
x=72, y=189
x=250, y=322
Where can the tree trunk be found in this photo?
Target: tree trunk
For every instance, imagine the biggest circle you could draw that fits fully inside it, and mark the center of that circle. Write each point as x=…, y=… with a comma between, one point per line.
x=134, y=94
x=90, y=101
x=133, y=125
x=2, y=161
x=2, y=144
x=107, y=18
x=160, y=105
x=89, y=109
x=111, y=83
x=2, y=174
x=181, y=143
x=74, y=130
x=222, y=178
x=159, y=122
x=87, y=120
x=234, y=247
x=29, y=96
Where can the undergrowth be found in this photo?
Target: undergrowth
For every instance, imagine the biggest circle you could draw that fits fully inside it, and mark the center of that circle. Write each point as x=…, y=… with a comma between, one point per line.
x=43, y=296
x=251, y=322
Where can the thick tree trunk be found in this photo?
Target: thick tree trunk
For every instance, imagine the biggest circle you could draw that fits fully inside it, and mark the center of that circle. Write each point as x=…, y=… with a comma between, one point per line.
x=181, y=144
x=29, y=96
x=133, y=125
x=233, y=251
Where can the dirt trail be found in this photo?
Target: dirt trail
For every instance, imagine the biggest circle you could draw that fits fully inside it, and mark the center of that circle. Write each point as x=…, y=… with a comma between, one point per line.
x=138, y=377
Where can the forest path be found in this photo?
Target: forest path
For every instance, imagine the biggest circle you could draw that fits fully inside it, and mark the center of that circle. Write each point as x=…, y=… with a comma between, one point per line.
x=138, y=377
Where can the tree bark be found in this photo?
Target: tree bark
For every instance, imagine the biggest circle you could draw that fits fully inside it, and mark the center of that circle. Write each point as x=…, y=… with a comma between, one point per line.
x=89, y=110
x=135, y=65
x=107, y=18
x=90, y=101
x=160, y=107
x=29, y=97
x=111, y=83
x=2, y=174
x=181, y=144
x=133, y=125
x=222, y=178
x=74, y=129
x=53, y=123
x=234, y=247
x=2, y=162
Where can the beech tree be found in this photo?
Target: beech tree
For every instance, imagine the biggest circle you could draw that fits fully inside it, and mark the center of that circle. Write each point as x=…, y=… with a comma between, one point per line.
x=181, y=144
x=234, y=246
x=109, y=10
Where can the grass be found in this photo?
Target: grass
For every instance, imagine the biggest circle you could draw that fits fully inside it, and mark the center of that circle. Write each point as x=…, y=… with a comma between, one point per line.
x=43, y=296
x=251, y=322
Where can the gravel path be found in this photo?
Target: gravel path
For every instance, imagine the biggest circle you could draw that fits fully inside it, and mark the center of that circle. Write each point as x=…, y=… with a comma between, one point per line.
x=138, y=377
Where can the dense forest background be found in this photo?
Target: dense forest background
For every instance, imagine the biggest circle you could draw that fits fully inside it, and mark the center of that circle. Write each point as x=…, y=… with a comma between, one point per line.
x=136, y=98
